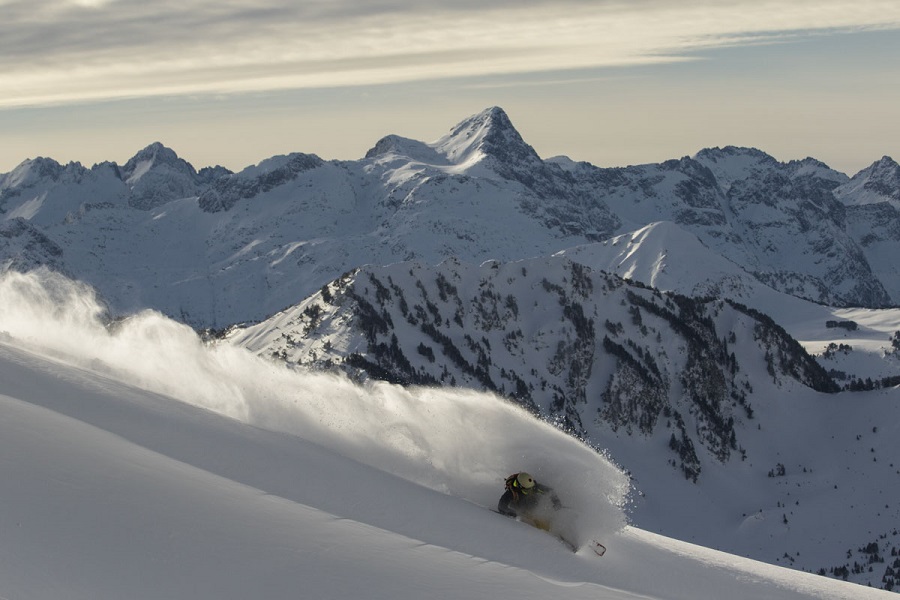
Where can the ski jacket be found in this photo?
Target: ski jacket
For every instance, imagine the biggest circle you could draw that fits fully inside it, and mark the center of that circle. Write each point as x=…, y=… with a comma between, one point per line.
x=517, y=501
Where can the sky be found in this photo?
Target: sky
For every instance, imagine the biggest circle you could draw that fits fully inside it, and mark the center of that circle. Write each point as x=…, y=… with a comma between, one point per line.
x=232, y=82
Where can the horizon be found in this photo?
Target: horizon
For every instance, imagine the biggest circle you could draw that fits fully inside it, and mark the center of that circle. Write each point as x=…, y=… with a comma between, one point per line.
x=610, y=84
x=198, y=167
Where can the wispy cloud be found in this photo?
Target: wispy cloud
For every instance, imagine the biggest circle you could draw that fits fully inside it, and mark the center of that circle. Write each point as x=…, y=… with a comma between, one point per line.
x=59, y=51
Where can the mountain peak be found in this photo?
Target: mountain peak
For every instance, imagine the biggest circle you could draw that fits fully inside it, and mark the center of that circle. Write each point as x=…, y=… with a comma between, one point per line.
x=886, y=165
x=156, y=151
x=733, y=163
x=32, y=170
x=154, y=156
x=404, y=147
x=878, y=182
x=494, y=116
x=490, y=133
x=732, y=153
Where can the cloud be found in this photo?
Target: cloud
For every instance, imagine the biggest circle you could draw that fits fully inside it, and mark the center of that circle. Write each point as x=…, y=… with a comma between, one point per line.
x=55, y=51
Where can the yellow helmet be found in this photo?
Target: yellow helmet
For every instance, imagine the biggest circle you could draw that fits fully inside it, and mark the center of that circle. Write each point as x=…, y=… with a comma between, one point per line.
x=525, y=480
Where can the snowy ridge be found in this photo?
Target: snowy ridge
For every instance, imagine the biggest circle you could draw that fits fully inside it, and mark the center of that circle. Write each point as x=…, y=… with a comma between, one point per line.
x=120, y=490
x=665, y=256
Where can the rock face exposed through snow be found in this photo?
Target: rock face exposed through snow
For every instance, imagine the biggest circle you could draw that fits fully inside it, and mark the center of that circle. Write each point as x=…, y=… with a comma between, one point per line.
x=583, y=347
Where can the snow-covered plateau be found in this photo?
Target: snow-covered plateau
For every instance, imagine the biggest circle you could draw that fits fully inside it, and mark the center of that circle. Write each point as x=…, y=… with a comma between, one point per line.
x=312, y=377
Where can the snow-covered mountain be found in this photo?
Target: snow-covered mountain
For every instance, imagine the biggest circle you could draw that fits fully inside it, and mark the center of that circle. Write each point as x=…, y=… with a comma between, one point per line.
x=696, y=398
x=470, y=261
x=139, y=462
x=213, y=248
x=667, y=258
x=873, y=185
x=579, y=345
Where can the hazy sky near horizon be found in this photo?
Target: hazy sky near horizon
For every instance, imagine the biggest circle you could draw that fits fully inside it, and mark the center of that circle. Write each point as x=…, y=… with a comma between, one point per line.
x=232, y=82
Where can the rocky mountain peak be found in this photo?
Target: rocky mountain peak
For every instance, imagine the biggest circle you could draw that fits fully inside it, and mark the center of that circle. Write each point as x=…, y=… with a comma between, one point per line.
x=387, y=144
x=886, y=161
x=884, y=179
x=732, y=163
x=885, y=169
x=880, y=182
x=30, y=171
x=490, y=133
x=155, y=155
x=156, y=175
x=816, y=169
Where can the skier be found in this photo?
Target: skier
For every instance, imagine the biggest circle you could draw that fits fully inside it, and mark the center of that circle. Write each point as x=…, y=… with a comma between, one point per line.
x=525, y=498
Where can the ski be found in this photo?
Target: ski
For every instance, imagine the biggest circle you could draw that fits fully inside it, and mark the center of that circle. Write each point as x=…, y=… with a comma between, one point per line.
x=598, y=548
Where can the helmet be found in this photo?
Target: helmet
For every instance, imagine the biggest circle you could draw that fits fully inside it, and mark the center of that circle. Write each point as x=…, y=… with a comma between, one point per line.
x=525, y=480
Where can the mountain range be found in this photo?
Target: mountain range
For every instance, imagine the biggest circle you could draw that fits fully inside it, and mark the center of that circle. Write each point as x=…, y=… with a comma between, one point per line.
x=213, y=248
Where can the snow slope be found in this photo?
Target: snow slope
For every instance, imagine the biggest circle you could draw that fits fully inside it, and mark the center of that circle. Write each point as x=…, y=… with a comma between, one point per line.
x=666, y=257
x=139, y=463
